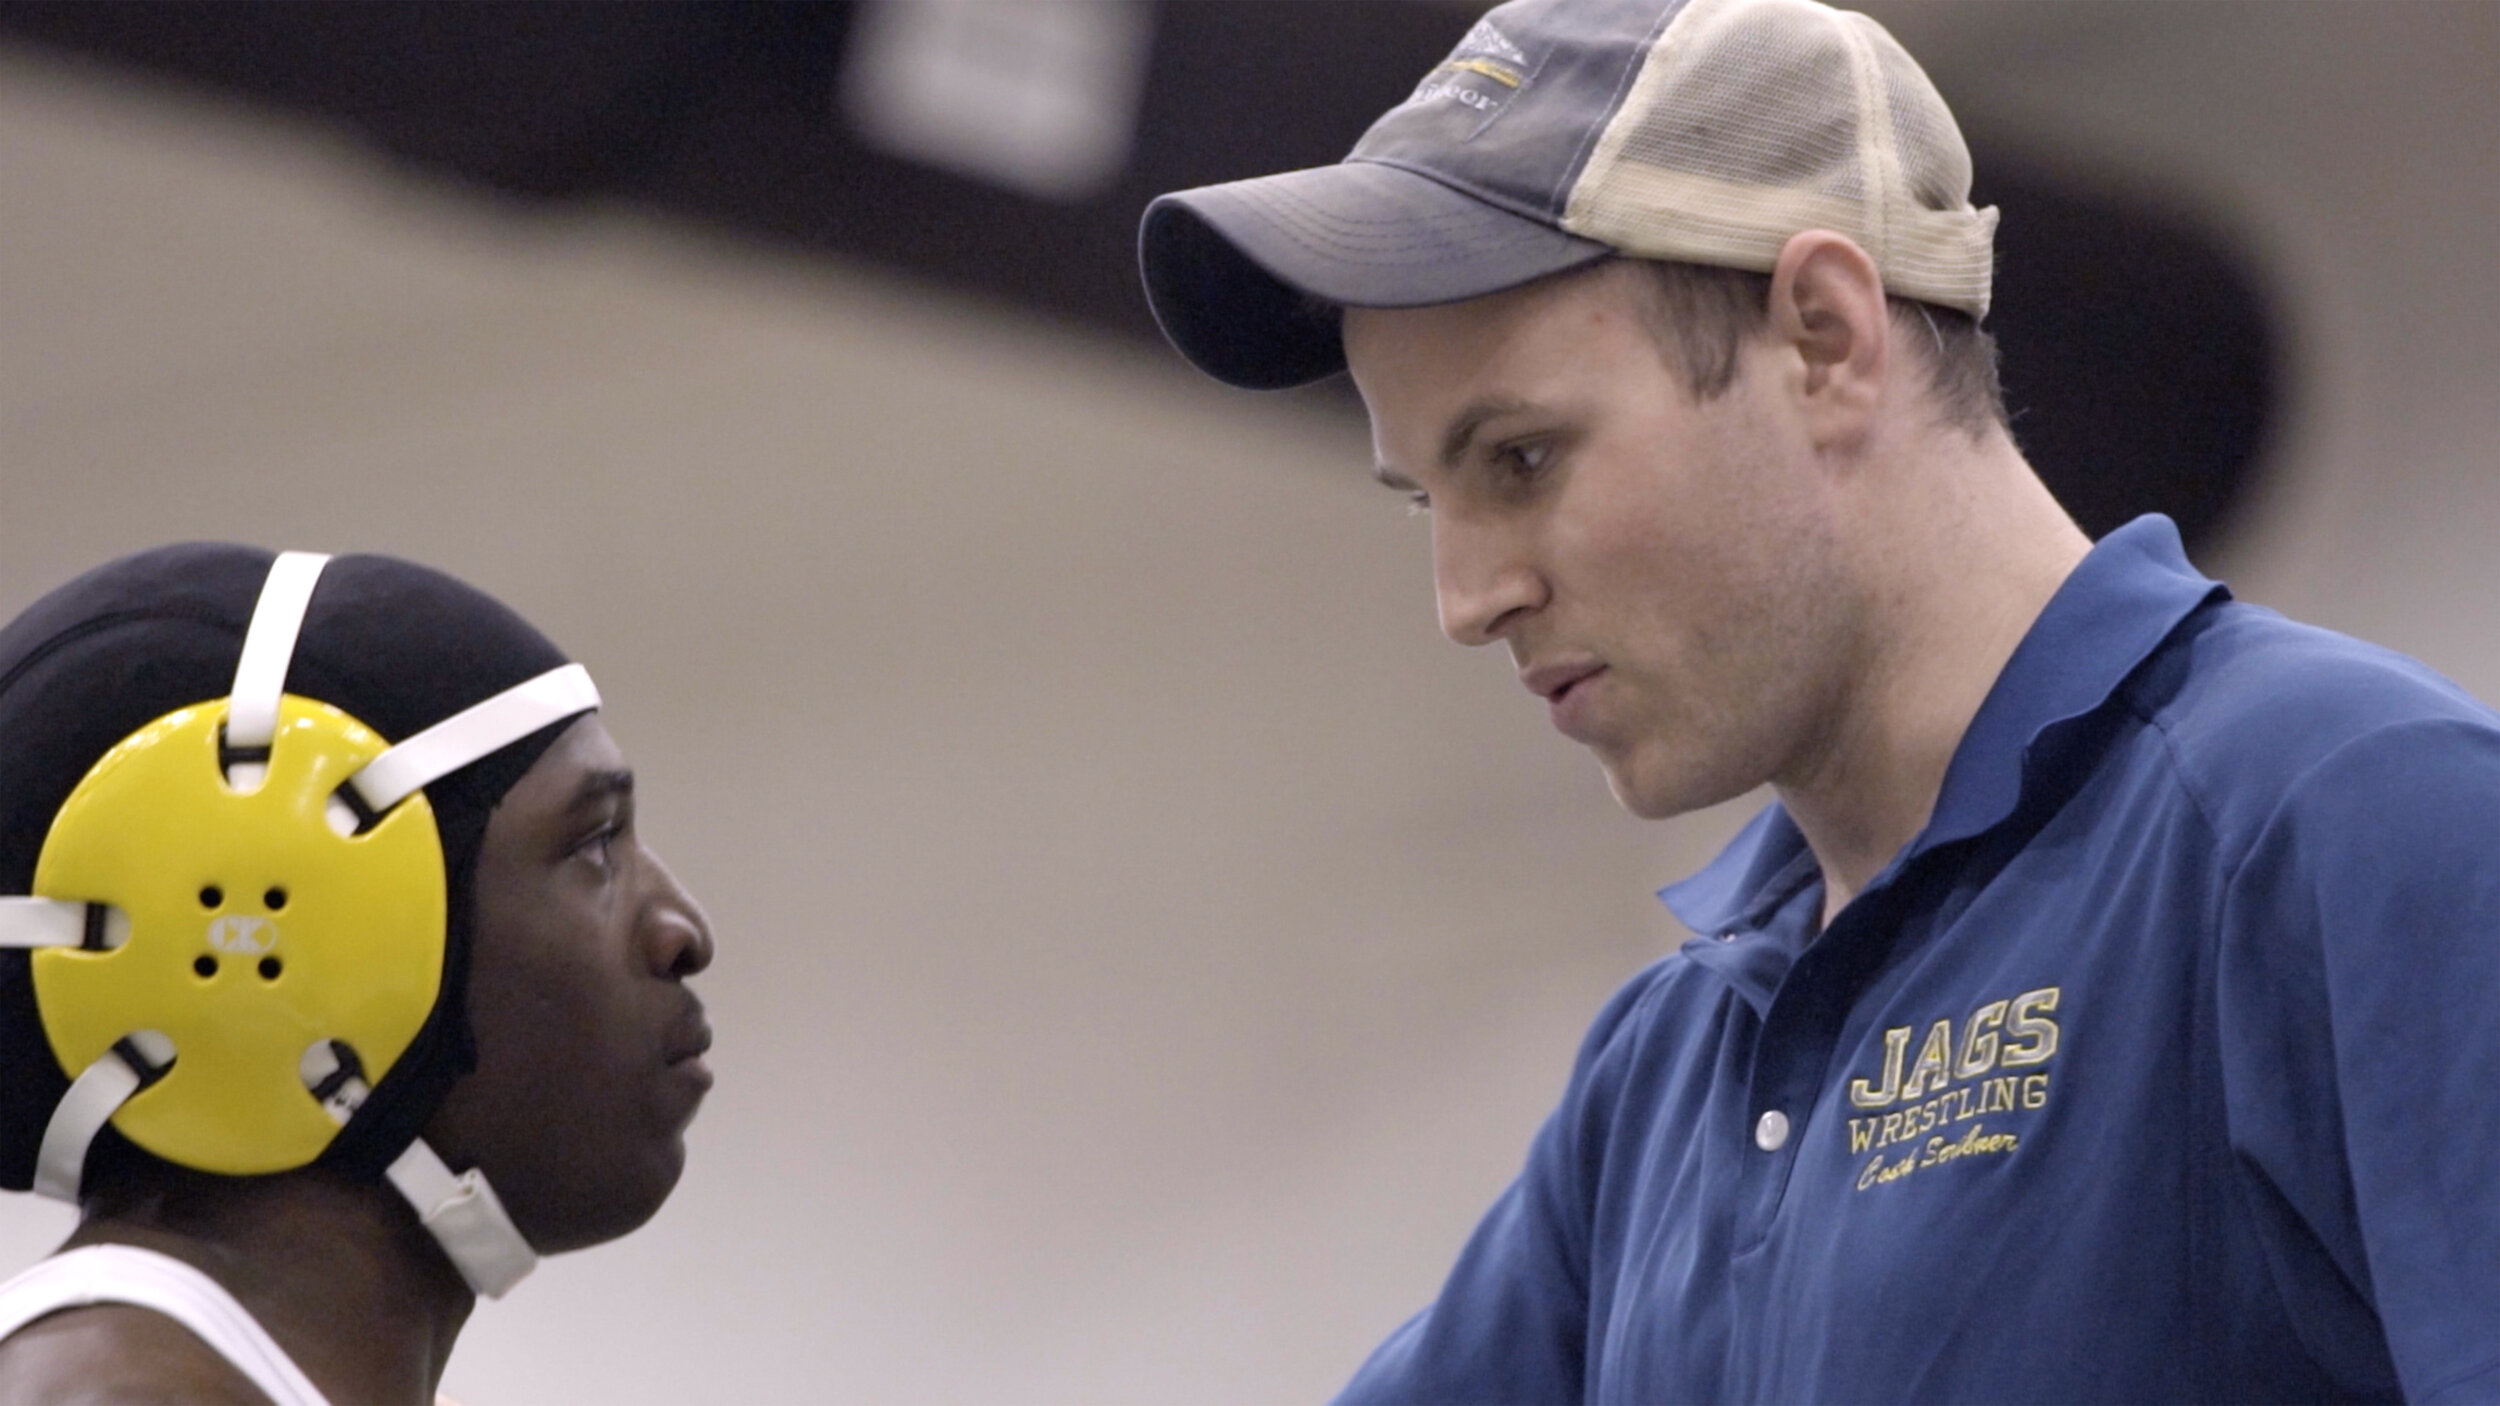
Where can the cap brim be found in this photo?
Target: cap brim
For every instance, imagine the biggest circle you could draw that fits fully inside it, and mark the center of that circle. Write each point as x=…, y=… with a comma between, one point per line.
x=1232, y=271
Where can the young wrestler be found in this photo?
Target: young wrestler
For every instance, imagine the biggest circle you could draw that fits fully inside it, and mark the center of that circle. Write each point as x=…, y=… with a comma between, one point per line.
x=337, y=984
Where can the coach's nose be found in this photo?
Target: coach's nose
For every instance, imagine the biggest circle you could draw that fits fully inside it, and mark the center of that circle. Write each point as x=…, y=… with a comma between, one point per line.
x=1483, y=578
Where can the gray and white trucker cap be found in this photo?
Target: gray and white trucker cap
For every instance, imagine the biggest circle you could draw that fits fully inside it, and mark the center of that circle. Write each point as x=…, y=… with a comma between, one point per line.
x=1559, y=132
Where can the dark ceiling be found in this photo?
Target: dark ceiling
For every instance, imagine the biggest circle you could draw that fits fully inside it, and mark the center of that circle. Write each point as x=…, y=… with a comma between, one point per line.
x=2140, y=357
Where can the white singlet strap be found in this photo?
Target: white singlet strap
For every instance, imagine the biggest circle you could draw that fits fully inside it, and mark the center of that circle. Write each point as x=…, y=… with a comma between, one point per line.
x=268, y=647
x=473, y=732
x=126, y=1274
x=461, y=1212
x=54, y=922
x=91, y=1101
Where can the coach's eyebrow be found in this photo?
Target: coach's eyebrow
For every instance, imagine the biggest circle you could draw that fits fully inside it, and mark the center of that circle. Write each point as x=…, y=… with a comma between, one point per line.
x=1456, y=440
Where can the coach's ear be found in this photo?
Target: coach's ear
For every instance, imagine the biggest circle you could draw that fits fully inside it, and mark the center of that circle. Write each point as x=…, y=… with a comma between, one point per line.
x=1828, y=313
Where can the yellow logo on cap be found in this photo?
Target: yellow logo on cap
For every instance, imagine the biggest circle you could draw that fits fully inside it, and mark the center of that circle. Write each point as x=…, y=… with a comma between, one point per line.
x=1503, y=74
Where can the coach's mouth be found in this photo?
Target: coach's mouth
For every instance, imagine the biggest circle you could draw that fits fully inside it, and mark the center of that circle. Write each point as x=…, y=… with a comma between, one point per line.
x=1551, y=681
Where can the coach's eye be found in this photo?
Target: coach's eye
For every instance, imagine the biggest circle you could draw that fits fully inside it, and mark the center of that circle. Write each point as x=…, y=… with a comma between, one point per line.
x=1522, y=462
x=1517, y=472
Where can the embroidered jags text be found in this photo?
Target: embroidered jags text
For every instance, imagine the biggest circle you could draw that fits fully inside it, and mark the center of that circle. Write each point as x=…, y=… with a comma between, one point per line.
x=1937, y=1102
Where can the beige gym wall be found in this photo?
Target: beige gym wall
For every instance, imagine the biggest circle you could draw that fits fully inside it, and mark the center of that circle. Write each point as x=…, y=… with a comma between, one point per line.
x=1145, y=944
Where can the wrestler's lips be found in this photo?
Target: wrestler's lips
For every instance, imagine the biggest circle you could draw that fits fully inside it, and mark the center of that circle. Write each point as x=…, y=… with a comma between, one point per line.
x=686, y=1049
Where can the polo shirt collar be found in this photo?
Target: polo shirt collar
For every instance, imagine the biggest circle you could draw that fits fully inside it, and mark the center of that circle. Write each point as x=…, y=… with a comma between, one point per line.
x=2114, y=609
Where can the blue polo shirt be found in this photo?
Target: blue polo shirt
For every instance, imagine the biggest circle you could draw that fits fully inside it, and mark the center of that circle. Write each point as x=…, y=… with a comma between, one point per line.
x=2163, y=1065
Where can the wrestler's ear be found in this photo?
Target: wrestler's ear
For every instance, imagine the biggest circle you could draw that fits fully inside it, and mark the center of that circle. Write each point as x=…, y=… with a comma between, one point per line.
x=1829, y=319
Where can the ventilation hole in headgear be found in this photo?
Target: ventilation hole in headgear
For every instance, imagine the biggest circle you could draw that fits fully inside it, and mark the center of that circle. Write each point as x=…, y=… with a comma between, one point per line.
x=275, y=899
x=212, y=896
x=107, y=928
x=326, y=1065
x=348, y=812
x=150, y=1053
x=244, y=768
x=204, y=964
x=269, y=969
x=336, y=1077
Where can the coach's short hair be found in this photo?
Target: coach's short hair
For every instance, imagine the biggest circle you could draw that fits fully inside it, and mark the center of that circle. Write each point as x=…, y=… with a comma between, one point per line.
x=1701, y=314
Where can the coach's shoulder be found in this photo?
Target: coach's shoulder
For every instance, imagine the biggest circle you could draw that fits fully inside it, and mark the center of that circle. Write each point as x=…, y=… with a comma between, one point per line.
x=2258, y=710
x=2247, y=688
x=1633, y=1008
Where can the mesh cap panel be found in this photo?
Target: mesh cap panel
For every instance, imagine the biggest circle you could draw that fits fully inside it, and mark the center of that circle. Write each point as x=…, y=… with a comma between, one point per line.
x=1791, y=140
x=1754, y=119
x=1935, y=166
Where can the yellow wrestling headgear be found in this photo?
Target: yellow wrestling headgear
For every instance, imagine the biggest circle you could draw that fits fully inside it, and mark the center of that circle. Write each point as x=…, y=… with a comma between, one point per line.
x=252, y=928
x=240, y=922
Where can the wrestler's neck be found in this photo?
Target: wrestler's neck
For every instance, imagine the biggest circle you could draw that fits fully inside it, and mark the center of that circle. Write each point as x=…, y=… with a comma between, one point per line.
x=339, y=1272
x=1964, y=552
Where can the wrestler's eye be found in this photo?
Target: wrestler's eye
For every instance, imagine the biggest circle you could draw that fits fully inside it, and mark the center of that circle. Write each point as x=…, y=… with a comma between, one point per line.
x=599, y=846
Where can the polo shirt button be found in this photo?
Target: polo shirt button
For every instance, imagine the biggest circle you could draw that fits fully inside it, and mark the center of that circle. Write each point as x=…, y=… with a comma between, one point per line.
x=1770, y=1131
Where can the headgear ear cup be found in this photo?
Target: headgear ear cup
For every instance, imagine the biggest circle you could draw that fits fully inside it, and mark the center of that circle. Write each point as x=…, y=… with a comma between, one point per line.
x=255, y=930
x=276, y=881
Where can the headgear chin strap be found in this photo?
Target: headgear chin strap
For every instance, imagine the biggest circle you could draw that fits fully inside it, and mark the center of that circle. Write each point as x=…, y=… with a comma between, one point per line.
x=241, y=915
